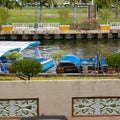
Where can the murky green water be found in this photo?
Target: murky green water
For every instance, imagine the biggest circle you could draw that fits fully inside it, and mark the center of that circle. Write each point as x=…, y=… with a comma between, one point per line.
x=82, y=48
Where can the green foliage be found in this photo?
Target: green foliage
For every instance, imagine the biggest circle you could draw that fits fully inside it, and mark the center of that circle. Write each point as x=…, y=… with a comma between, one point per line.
x=113, y=60
x=58, y=54
x=27, y=67
x=63, y=16
x=103, y=3
x=45, y=1
x=116, y=3
x=10, y=4
x=74, y=1
x=14, y=55
x=104, y=15
x=4, y=15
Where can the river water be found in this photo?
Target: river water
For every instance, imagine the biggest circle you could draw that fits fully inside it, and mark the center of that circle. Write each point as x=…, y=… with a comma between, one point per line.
x=82, y=47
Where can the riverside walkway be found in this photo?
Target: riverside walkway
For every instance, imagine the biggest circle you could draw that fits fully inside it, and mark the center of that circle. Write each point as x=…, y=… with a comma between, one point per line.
x=53, y=31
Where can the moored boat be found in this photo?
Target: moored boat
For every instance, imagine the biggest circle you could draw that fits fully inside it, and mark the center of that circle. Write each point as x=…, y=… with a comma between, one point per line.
x=69, y=64
x=24, y=48
x=93, y=64
x=73, y=64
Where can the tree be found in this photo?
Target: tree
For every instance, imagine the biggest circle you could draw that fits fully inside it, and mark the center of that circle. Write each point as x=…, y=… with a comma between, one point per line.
x=26, y=68
x=63, y=16
x=116, y=4
x=7, y=4
x=4, y=15
x=103, y=3
x=104, y=14
x=106, y=4
x=10, y=4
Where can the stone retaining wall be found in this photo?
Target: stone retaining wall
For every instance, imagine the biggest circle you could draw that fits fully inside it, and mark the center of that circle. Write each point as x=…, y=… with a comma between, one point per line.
x=55, y=97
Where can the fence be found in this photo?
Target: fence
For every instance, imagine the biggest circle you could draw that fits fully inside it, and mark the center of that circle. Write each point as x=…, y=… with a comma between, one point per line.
x=115, y=25
x=38, y=27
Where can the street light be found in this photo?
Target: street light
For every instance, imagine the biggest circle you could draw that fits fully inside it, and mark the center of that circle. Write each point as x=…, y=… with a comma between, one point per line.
x=74, y=14
x=36, y=22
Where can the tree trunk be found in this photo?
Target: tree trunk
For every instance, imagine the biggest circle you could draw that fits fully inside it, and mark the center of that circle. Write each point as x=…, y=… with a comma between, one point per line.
x=118, y=70
x=74, y=15
x=40, y=15
x=117, y=12
x=28, y=77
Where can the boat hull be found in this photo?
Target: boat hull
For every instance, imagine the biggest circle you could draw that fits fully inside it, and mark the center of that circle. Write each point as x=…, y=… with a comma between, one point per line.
x=73, y=64
x=70, y=64
x=68, y=67
x=47, y=64
x=23, y=48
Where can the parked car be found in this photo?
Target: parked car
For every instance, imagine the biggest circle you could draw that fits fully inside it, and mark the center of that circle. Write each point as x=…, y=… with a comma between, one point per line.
x=55, y=5
x=45, y=117
x=65, y=5
x=46, y=5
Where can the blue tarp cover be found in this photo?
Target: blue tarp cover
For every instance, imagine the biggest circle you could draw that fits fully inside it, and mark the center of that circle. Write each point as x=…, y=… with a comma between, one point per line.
x=72, y=58
x=7, y=46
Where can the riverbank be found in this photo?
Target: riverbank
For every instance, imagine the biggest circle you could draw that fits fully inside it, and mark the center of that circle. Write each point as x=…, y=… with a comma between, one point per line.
x=73, y=34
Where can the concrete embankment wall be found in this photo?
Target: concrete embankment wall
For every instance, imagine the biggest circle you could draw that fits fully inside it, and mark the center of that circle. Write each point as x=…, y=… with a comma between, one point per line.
x=55, y=97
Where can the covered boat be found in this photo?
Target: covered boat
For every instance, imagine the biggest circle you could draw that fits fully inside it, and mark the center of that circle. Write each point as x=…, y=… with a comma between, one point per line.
x=24, y=48
x=93, y=64
x=73, y=64
x=69, y=64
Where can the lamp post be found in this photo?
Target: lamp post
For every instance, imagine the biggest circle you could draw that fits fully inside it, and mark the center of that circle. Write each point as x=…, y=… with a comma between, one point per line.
x=117, y=11
x=36, y=22
x=74, y=13
x=41, y=13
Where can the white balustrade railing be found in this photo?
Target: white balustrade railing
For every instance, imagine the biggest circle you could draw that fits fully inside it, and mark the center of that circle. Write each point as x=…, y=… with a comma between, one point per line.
x=30, y=27
x=115, y=25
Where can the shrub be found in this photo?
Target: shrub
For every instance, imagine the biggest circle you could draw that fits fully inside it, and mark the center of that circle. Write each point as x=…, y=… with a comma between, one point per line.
x=89, y=24
x=14, y=55
x=26, y=67
x=113, y=61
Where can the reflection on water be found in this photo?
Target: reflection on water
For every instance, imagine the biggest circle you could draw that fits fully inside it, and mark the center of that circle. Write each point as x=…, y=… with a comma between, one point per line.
x=82, y=48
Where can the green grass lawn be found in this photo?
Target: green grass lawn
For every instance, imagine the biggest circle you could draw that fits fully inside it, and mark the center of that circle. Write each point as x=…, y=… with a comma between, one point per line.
x=27, y=15
x=50, y=15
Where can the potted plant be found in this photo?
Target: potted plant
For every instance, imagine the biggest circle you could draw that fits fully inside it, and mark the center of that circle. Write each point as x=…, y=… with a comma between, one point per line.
x=56, y=55
x=113, y=62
